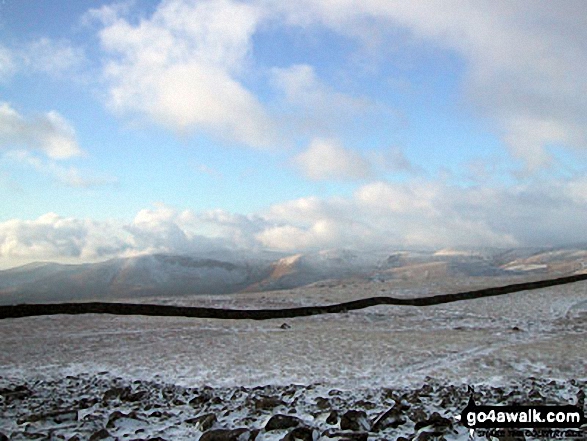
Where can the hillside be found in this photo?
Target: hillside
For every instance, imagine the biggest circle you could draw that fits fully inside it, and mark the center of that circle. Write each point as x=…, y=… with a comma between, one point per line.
x=230, y=272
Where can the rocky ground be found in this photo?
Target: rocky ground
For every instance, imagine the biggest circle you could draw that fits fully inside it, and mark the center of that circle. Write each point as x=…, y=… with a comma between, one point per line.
x=360, y=375
x=104, y=407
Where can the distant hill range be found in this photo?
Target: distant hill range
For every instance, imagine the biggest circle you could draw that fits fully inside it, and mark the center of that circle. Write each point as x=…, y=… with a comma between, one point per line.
x=229, y=272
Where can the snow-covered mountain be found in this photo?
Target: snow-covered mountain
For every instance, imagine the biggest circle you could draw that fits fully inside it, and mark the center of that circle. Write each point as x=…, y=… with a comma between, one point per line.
x=227, y=272
x=147, y=275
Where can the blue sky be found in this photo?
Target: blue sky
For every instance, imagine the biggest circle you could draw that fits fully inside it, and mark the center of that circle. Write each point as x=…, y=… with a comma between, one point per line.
x=173, y=126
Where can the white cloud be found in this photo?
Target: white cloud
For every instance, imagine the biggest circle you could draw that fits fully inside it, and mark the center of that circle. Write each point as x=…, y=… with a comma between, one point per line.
x=7, y=64
x=393, y=160
x=54, y=237
x=107, y=14
x=65, y=175
x=50, y=56
x=165, y=229
x=525, y=60
x=432, y=214
x=378, y=215
x=180, y=67
x=317, y=107
x=55, y=58
x=327, y=159
x=49, y=133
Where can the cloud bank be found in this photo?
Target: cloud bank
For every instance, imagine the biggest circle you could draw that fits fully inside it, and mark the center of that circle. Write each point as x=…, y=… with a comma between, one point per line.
x=378, y=215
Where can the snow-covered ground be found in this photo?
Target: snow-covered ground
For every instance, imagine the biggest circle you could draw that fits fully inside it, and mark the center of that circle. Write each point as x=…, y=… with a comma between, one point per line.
x=528, y=333
x=491, y=342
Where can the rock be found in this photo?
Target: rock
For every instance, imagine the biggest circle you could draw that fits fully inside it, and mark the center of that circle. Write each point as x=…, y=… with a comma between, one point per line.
x=322, y=403
x=300, y=434
x=581, y=399
x=100, y=434
x=3, y=437
x=279, y=421
x=112, y=394
x=268, y=403
x=202, y=398
x=428, y=436
x=332, y=418
x=19, y=392
x=203, y=422
x=390, y=418
x=58, y=416
x=134, y=397
x=117, y=415
x=436, y=421
x=417, y=415
x=346, y=435
x=355, y=420
x=86, y=403
x=364, y=404
x=240, y=434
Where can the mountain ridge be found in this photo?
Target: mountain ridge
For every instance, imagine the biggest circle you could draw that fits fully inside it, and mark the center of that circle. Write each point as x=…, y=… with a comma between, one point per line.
x=224, y=273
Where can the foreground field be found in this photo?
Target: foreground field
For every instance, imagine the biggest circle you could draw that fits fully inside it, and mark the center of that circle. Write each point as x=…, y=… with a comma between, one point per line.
x=489, y=343
x=99, y=407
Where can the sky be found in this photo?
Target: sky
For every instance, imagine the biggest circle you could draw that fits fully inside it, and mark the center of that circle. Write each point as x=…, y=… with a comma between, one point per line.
x=181, y=126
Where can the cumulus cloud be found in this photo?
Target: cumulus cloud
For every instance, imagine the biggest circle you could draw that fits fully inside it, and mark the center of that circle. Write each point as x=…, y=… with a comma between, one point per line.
x=432, y=214
x=49, y=133
x=525, y=60
x=328, y=159
x=180, y=67
x=378, y=215
x=54, y=237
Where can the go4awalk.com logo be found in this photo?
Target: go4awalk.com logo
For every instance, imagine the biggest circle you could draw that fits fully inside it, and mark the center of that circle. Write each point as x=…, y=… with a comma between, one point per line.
x=523, y=417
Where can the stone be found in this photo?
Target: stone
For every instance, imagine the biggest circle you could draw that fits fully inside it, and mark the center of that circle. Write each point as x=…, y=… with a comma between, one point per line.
x=117, y=415
x=322, y=403
x=332, y=418
x=100, y=434
x=355, y=420
x=203, y=422
x=268, y=403
x=436, y=421
x=300, y=434
x=58, y=416
x=390, y=418
x=240, y=434
x=279, y=421
x=343, y=435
